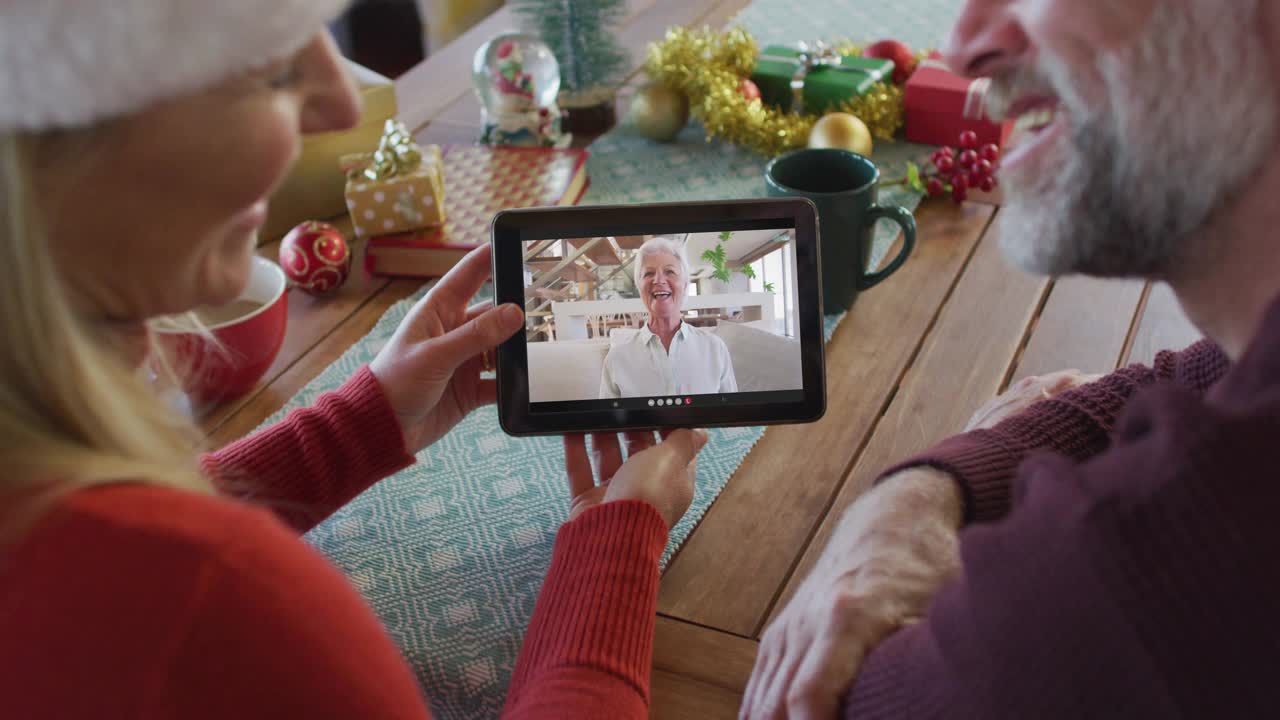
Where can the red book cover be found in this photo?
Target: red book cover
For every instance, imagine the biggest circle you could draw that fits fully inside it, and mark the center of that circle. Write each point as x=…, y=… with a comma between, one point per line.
x=940, y=105
x=479, y=181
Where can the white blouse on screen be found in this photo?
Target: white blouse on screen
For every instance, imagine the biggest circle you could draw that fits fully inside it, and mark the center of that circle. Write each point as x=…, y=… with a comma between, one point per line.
x=638, y=365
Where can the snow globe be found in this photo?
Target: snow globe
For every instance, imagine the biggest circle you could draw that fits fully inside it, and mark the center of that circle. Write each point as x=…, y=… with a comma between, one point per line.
x=518, y=80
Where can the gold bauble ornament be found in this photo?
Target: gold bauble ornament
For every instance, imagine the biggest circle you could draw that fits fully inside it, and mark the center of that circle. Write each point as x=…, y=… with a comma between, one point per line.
x=841, y=131
x=659, y=112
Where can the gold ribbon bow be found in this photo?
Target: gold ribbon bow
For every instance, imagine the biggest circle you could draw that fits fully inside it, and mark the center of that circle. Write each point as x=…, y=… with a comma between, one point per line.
x=397, y=154
x=808, y=59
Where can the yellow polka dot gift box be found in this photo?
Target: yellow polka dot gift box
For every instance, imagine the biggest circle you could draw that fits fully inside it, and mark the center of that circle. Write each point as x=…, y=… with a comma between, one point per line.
x=397, y=188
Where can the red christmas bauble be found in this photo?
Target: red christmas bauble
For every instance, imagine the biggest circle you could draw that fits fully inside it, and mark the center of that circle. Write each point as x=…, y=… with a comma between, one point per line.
x=315, y=257
x=904, y=61
x=749, y=89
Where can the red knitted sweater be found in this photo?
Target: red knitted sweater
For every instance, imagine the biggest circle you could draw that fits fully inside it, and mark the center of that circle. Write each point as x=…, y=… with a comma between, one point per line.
x=133, y=601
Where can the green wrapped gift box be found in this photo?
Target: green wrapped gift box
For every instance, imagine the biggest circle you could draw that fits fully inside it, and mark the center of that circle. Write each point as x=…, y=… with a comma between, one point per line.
x=831, y=79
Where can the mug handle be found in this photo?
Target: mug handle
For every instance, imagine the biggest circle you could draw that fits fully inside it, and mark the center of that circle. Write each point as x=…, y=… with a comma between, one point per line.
x=908, y=223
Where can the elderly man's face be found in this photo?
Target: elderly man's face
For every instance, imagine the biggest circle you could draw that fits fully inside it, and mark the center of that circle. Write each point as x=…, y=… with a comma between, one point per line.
x=1135, y=120
x=661, y=284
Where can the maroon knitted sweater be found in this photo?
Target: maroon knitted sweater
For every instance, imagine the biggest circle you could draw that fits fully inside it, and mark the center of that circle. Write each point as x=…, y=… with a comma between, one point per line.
x=1130, y=571
x=1076, y=424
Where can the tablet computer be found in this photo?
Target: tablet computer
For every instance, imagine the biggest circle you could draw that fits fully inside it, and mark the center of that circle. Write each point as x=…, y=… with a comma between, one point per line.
x=662, y=315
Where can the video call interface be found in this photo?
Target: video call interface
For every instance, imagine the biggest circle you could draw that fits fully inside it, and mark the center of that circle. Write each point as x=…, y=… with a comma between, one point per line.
x=662, y=321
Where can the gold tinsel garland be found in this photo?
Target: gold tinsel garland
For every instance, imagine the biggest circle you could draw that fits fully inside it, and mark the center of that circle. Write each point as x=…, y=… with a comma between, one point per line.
x=709, y=68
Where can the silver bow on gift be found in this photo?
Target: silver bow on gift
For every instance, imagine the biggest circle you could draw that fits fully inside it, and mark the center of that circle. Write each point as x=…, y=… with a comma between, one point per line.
x=808, y=59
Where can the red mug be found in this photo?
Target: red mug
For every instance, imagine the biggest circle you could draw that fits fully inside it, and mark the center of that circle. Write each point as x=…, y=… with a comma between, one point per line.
x=248, y=331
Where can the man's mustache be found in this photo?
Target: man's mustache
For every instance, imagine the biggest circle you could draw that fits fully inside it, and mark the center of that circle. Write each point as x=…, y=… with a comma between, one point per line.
x=1008, y=88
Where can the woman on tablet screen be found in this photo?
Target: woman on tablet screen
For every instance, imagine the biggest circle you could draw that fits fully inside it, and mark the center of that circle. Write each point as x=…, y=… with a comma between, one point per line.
x=140, y=579
x=667, y=356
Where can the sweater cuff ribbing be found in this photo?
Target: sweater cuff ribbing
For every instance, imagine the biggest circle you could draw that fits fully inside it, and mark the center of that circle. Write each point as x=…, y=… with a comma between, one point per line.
x=981, y=467
x=363, y=404
x=598, y=603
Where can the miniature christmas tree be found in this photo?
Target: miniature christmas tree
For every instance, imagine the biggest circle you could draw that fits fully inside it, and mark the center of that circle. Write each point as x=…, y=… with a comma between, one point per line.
x=580, y=35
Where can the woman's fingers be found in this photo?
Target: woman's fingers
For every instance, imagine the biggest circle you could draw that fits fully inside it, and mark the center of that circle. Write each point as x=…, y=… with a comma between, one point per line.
x=606, y=455
x=638, y=441
x=453, y=291
x=464, y=280
x=478, y=309
x=486, y=392
x=478, y=335
x=577, y=465
x=486, y=357
x=686, y=443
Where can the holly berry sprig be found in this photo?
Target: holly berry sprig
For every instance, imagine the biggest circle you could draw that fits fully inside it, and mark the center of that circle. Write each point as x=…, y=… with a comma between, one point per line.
x=957, y=170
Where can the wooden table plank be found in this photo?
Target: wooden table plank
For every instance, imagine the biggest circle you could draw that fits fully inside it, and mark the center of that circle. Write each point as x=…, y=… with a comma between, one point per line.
x=1084, y=325
x=676, y=697
x=706, y=655
x=444, y=76
x=698, y=672
x=723, y=14
x=1163, y=326
x=440, y=132
x=963, y=361
x=310, y=320
x=342, y=335
x=787, y=482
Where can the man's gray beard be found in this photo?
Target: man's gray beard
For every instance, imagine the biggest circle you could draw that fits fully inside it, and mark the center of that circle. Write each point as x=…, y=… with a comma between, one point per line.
x=1195, y=135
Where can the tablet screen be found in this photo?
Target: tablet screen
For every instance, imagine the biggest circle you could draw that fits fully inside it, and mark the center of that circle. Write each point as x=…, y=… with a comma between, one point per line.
x=655, y=321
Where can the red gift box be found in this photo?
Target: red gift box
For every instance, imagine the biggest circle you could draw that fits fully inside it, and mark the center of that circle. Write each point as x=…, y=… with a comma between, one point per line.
x=940, y=105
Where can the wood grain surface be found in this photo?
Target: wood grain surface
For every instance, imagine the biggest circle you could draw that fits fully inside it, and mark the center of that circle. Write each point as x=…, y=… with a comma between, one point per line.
x=1162, y=326
x=1084, y=326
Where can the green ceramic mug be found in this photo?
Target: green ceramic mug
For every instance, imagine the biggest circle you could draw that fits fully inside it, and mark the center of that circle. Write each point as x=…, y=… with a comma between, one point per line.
x=844, y=185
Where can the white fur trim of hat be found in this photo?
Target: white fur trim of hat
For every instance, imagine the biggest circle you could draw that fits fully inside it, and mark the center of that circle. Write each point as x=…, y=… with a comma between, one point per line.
x=71, y=63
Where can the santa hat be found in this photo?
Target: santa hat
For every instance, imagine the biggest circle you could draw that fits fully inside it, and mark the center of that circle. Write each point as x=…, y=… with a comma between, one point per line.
x=69, y=63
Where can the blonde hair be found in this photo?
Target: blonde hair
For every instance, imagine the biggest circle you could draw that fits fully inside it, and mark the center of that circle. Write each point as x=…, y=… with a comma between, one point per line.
x=74, y=411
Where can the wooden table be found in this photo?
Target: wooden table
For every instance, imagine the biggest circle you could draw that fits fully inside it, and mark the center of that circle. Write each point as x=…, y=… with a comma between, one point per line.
x=906, y=368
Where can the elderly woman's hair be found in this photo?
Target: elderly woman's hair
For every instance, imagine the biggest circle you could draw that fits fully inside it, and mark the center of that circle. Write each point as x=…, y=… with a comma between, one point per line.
x=660, y=245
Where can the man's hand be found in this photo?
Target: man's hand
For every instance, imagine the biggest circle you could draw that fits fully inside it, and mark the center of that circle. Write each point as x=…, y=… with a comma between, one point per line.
x=430, y=370
x=1025, y=393
x=889, y=554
